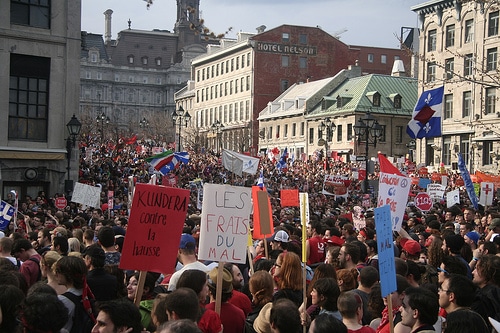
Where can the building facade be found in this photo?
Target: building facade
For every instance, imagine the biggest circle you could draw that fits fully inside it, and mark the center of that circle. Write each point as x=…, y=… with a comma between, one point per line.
x=236, y=79
x=459, y=43
x=39, y=84
x=294, y=120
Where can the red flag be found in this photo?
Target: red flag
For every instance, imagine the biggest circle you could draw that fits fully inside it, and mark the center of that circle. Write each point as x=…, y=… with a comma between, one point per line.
x=387, y=167
x=130, y=141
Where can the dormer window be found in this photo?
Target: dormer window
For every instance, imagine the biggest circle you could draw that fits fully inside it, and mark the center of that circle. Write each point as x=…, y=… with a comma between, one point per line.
x=374, y=97
x=158, y=61
x=396, y=100
x=343, y=100
x=94, y=56
x=130, y=59
x=144, y=60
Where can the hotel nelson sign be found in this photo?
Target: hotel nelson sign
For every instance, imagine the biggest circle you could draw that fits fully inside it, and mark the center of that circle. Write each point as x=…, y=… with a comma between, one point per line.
x=287, y=49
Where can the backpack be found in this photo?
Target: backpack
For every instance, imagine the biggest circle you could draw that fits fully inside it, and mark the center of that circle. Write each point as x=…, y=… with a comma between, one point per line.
x=82, y=322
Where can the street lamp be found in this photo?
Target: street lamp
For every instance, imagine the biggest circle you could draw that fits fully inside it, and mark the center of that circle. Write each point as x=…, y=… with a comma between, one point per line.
x=328, y=127
x=182, y=118
x=103, y=119
x=217, y=129
x=74, y=126
x=369, y=130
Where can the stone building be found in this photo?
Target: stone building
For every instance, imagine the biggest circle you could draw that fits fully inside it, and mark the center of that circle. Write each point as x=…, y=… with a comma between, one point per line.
x=39, y=83
x=459, y=42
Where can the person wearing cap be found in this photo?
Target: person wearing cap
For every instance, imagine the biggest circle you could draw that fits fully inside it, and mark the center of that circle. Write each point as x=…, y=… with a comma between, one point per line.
x=232, y=317
x=494, y=229
x=472, y=238
x=279, y=240
x=104, y=285
x=187, y=257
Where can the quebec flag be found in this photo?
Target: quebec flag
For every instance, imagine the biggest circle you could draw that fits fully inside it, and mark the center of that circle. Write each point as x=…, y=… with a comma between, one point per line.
x=426, y=119
x=6, y=213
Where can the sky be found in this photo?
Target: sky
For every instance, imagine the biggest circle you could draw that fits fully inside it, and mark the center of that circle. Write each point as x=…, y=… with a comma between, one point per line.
x=356, y=22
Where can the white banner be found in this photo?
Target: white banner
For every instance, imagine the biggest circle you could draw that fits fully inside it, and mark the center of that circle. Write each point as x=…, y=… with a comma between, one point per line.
x=486, y=196
x=225, y=223
x=87, y=195
x=436, y=191
x=335, y=185
x=393, y=191
x=452, y=197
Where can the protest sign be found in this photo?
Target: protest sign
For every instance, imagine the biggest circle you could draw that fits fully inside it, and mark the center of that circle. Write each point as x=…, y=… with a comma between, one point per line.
x=436, y=191
x=224, y=223
x=87, y=195
x=154, y=229
x=289, y=198
x=452, y=198
x=486, y=196
x=393, y=191
x=336, y=185
x=262, y=213
x=385, y=250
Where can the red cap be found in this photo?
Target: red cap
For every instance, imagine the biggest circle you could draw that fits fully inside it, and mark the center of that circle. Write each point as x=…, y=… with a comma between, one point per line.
x=411, y=246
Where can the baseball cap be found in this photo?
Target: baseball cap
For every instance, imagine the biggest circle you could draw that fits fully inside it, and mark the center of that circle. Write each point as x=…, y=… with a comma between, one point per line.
x=187, y=242
x=411, y=246
x=280, y=236
x=335, y=240
x=494, y=223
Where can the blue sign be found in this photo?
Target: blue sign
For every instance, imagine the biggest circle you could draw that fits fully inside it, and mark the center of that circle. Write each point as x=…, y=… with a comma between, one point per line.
x=385, y=245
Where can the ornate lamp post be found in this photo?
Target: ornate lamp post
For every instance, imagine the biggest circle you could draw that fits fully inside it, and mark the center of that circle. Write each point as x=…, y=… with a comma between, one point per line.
x=217, y=129
x=103, y=119
x=327, y=127
x=74, y=126
x=368, y=130
x=182, y=118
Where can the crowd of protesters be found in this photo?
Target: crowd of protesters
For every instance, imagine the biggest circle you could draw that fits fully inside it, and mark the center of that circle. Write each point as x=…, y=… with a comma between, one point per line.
x=446, y=262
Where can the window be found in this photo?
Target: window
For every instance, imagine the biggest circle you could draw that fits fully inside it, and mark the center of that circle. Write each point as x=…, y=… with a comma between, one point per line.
x=493, y=24
x=446, y=151
x=222, y=68
x=349, y=132
x=144, y=60
x=35, y=13
x=294, y=129
x=284, y=85
x=130, y=59
x=198, y=75
x=232, y=65
x=491, y=59
x=450, y=35
x=247, y=110
x=339, y=133
x=431, y=40
x=285, y=37
x=117, y=77
x=468, y=64
x=490, y=100
x=28, y=97
x=227, y=66
x=469, y=31
x=88, y=74
x=230, y=112
x=431, y=71
x=285, y=60
x=158, y=61
x=370, y=57
x=203, y=74
x=231, y=87
x=225, y=89
x=99, y=75
x=449, y=64
x=248, y=59
x=237, y=63
x=270, y=133
x=93, y=57
x=236, y=86
x=487, y=149
x=397, y=102
x=145, y=79
x=376, y=99
x=311, y=136
x=398, y=134
x=466, y=104
x=278, y=129
x=242, y=61
x=302, y=39
x=448, y=106
x=302, y=62
x=302, y=129
x=248, y=82
x=382, y=135
x=285, y=131
x=383, y=59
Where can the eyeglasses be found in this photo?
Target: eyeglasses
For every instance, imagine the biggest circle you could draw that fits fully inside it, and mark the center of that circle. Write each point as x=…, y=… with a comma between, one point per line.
x=446, y=291
x=439, y=269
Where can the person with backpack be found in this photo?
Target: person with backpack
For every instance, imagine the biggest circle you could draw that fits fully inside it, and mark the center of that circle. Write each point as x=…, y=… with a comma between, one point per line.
x=79, y=300
x=30, y=267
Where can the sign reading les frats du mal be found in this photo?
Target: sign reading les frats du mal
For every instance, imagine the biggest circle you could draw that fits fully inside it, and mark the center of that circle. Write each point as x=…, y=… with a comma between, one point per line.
x=286, y=48
x=225, y=223
x=154, y=229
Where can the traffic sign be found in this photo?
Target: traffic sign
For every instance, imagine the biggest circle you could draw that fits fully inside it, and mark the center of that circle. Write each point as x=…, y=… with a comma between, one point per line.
x=360, y=158
x=423, y=201
x=61, y=203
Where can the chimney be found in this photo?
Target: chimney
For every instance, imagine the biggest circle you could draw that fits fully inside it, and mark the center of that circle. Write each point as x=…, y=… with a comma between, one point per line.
x=261, y=29
x=398, y=69
x=107, y=26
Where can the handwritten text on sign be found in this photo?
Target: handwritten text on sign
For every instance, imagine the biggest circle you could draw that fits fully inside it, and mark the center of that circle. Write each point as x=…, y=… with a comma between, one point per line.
x=385, y=250
x=225, y=223
x=154, y=230
x=393, y=191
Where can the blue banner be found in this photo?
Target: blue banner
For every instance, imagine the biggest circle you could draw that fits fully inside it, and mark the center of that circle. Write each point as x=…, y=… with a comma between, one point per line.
x=467, y=181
